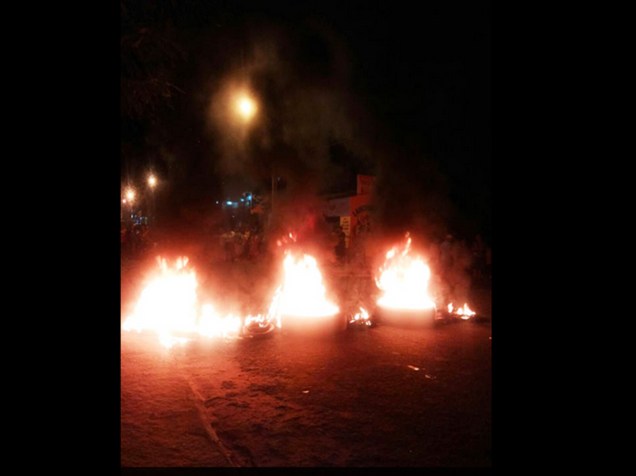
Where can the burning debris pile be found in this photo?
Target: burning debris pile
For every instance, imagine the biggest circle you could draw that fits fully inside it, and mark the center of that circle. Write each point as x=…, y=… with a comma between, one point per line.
x=361, y=319
x=403, y=280
x=462, y=313
x=301, y=301
x=170, y=306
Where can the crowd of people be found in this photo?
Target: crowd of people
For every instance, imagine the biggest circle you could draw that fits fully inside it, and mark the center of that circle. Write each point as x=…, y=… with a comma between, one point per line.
x=242, y=244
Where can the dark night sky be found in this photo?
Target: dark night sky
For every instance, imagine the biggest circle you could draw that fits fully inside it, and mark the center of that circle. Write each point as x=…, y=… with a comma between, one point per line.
x=403, y=91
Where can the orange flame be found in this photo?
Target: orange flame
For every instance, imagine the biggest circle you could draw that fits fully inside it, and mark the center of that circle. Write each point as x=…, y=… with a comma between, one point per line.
x=403, y=280
x=302, y=293
x=214, y=325
x=464, y=312
x=362, y=316
x=169, y=306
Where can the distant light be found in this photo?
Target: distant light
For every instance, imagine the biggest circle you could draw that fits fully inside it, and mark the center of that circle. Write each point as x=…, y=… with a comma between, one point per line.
x=246, y=107
x=228, y=203
x=130, y=195
x=152, y=181
x=242, y=200
x=217, y=202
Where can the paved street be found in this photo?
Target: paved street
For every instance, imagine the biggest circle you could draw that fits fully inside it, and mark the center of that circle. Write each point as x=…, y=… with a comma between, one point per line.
x=383, y=396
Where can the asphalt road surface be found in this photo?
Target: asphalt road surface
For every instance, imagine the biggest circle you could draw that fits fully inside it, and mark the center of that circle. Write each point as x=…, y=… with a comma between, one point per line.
x=382, y=396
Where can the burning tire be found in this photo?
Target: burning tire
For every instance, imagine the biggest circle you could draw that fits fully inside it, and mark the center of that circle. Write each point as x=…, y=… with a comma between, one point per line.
x=257, y=330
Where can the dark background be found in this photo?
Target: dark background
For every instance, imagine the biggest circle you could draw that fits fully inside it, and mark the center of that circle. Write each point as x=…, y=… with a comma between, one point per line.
x=404, y=93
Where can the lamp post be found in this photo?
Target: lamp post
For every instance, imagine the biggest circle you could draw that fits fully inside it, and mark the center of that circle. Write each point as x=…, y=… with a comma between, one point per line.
x=246, y=108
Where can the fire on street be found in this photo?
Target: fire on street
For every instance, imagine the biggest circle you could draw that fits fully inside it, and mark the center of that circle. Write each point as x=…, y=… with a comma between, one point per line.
x=305, y=234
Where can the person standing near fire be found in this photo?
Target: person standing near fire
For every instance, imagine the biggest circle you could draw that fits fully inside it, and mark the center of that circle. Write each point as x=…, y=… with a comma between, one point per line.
x=341, y=246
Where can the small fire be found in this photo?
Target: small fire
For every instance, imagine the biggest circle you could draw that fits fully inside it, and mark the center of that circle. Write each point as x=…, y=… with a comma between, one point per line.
x=302, y=293
x=464, y=312
x=359, y=317
x=403, y=280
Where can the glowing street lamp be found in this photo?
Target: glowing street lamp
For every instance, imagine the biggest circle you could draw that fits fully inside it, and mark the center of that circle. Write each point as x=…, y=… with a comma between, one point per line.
x=152, y=183
x=129, y=199
x=245, y=107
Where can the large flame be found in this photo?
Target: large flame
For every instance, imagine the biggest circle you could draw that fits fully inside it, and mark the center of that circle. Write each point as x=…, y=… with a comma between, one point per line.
x=302, y=293
x=168, y=303
x=169, y=306
x=403, y=280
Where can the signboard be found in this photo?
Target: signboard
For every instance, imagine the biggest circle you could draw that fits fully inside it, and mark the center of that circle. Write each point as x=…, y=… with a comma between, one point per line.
x=337, y=207
x=360, y=212
x=345, y=223
x=365, y=184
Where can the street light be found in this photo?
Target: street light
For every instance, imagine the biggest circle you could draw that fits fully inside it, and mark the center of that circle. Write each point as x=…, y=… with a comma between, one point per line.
x=152, y=183
x=245, y=107
x=130, y=198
